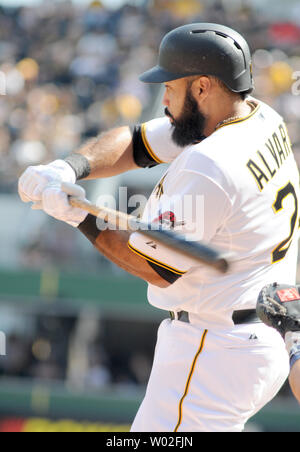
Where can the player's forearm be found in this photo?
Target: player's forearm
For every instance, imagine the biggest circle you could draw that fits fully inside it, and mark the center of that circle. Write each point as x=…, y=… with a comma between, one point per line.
x=114, y=246
x=294, y=380
x=109, y=154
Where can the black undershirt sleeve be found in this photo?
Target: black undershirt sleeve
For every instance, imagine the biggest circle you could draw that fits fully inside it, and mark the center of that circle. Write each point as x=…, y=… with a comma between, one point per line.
x=140, y=153
x=89, y=228
x=167, y=275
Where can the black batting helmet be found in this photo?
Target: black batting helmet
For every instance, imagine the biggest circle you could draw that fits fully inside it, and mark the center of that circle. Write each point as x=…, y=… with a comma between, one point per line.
x=204, y=49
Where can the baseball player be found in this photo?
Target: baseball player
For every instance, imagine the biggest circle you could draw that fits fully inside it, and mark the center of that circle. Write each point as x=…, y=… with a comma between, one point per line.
x=215, y=363
x=278, y=306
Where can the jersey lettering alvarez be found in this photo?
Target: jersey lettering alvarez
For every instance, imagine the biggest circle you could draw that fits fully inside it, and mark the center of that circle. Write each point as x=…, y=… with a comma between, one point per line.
x=240, y=188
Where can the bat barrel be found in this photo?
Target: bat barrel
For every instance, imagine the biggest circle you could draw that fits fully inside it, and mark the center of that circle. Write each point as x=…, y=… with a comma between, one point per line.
x=200, y=251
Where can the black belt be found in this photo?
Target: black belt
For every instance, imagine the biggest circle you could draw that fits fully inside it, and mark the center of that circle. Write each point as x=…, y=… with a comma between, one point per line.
x=245, y=316
x=238, y=317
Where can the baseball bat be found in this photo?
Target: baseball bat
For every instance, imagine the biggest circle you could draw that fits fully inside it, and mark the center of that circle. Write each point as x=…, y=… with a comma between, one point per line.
x=202, y=252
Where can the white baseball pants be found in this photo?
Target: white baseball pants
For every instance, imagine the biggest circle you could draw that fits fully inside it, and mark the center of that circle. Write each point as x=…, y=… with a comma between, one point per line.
x=211, y=381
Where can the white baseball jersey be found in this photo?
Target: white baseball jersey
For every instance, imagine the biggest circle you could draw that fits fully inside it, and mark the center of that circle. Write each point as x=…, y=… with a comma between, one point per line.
x=238, y=190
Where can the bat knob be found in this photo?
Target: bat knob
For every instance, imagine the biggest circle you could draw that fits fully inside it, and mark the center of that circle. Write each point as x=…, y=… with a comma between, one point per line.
x=223, y=265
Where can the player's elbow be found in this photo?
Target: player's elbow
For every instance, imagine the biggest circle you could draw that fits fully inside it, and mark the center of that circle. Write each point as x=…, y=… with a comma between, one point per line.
x=163, y=284
x=162, y=277
x=159, y=282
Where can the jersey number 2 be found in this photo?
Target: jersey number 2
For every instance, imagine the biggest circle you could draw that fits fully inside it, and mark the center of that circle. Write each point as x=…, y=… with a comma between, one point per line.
x=281, y=250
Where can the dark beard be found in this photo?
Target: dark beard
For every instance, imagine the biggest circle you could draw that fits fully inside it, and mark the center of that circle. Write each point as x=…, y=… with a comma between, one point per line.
x=189, y=127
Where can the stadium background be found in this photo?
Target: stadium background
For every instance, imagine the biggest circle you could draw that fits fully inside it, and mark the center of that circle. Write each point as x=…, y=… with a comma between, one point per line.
x=79, y=332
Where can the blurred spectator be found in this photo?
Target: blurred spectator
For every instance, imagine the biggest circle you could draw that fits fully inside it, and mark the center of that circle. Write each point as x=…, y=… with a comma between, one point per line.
x=140, y=366
x=98, y=374
x=17, y=361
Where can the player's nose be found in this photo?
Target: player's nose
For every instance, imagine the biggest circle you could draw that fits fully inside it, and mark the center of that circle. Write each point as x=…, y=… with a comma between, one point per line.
x=166, y=101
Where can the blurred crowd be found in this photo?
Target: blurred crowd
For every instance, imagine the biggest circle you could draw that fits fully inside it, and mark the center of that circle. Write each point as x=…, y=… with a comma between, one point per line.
x=80, y=349
x=70, y=72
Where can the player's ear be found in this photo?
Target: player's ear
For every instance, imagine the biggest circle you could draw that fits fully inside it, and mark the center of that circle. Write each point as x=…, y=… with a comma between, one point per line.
x=201, y=87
